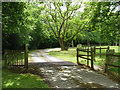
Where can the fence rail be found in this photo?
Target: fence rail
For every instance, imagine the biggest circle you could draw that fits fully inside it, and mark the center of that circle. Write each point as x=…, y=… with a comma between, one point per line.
x=109, y=62
x=91, y=53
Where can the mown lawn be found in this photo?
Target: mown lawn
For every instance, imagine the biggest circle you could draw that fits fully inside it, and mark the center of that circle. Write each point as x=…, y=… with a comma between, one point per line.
x=70, y=55
x=21, y=80
x=15, y=80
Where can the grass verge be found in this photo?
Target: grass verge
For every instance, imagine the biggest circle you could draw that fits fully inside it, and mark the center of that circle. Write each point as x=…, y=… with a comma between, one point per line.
x=19, y=80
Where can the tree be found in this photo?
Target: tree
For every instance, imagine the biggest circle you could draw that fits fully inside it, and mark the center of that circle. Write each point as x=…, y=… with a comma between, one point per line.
x=12, y=22
x=39, y=32
x=61, y=19
x=104, y=19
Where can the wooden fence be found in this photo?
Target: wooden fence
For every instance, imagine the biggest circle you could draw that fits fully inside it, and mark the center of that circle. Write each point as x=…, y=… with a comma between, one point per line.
x=16, y=57
x=100, y=50
x=91, y=53
x=111, y=59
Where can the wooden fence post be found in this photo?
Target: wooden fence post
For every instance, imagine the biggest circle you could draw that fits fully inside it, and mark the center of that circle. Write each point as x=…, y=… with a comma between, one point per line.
x=92, y=58
x=6, y=65
x=94, y=53
x=26, y=56
x=107, y=52
x=100, y=52
x=106, y=66
x=5, y=57
x=108, y=48
x=77, y=57
x=88, y=57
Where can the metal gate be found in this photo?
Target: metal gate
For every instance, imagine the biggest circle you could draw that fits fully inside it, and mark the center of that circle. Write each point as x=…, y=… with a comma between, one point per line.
x=16, y=57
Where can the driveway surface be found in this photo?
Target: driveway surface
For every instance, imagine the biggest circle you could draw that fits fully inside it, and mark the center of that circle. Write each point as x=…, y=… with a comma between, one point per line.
x=64, y=74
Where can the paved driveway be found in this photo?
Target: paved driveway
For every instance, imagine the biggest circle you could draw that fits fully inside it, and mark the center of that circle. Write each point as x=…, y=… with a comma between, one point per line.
x=63, y=74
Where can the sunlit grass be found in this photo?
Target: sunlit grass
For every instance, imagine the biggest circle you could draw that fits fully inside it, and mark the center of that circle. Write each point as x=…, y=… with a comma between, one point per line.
x=13, y=80
x=19, y=80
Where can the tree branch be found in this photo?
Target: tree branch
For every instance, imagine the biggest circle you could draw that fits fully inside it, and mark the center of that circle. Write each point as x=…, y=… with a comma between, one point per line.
x=52, y=29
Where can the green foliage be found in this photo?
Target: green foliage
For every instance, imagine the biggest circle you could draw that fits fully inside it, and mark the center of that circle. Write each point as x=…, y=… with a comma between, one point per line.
x=104, y=19
x=12, y=17
x=22, y=23
x=44, y=25
x=93, y=37
x=62, y=20
x=41, y=37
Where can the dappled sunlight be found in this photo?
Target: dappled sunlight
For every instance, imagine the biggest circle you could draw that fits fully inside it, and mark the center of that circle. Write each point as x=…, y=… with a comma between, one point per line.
x=50, y=71
x=37, y=59
x=74, y=76
x=13, y=80
x=9, y=83
x=63, y=78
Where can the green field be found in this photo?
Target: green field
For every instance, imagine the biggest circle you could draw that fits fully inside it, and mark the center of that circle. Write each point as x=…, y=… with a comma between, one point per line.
x=70, y=55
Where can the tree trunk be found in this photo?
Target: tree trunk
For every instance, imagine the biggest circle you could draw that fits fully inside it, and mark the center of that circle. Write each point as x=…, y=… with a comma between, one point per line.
x=63, y=45
x=119, y=46
x=72, y=43
x=116, y=43
x=78, y=41
x=113, y=44
x=88, y=43
x=119, y=42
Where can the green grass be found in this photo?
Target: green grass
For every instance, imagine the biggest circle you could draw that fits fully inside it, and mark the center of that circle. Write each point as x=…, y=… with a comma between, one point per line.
x=69, y=55
x=20, y=80
x=15, y=80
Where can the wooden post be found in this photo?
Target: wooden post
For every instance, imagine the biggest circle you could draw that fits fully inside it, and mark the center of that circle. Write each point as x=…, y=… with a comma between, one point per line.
x=107, y=52
x=77, y=57
x=94, y=53
x=26, y=56
x=100, y=52
x=92, y=58
x=105, y=68
x=17, y=53
x=108, y=48
x=88, y=57
x=5, y=58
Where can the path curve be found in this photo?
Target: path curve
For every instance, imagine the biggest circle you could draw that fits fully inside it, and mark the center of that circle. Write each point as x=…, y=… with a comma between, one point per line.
x=42, y=56
x=64, y=74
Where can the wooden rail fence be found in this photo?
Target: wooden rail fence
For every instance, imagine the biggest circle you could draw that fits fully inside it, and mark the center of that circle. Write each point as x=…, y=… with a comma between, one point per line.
x=91, y=53
x=109, y=59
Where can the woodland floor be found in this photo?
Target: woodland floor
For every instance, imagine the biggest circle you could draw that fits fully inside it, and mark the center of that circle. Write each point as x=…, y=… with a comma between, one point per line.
x=64, y=74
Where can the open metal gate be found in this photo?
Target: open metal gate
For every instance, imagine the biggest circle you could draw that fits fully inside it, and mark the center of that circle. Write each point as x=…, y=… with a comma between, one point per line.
x=16, y=57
